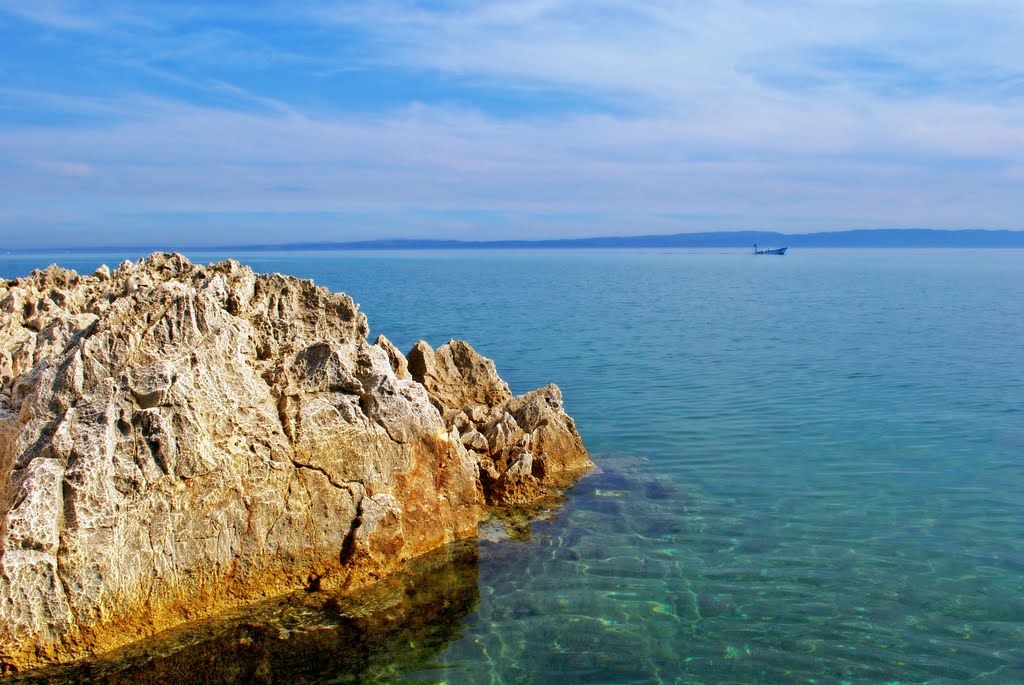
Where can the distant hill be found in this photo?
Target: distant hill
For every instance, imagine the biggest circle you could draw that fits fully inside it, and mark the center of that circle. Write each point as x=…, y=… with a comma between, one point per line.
x=863, y=238
x=896, y=237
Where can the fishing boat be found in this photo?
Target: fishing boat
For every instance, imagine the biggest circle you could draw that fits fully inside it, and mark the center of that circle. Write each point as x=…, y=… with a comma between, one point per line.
x=779, y=250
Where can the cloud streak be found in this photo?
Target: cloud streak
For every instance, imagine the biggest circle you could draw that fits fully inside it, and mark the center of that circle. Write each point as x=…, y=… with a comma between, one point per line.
x=405, y=119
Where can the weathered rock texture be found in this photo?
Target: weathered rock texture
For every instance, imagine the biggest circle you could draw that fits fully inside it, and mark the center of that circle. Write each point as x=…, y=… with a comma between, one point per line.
x=177, y=439
x=524, y=445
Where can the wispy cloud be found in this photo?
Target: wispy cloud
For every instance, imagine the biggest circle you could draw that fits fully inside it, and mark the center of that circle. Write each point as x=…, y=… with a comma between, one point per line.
x=65, y=168
x=52, y=13
x=669, y=50
x=667, y=116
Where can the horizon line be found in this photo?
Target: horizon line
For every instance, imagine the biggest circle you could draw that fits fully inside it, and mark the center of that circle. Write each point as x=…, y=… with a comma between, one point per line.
x=869, y=237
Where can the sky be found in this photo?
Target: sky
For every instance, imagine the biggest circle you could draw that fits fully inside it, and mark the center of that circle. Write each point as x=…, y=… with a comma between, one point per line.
x=213, y=123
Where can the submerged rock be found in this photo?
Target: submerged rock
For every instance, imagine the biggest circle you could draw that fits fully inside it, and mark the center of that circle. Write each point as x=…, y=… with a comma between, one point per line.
x=178, y=439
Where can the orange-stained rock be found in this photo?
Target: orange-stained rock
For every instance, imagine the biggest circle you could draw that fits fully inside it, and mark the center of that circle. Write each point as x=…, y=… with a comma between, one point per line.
x=178, y=439
x=525, y=446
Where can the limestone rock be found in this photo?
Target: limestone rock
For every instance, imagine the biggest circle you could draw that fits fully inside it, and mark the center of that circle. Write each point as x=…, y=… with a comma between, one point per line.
x=517, y=485
x=474, y=440
x=552, y=433
x=457, y=377
x=530, y=445
x=177, y=439
x=399, y=363
x=301, y=637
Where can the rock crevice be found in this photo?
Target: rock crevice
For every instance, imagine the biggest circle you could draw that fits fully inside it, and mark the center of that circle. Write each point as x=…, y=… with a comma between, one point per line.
x=177, y=439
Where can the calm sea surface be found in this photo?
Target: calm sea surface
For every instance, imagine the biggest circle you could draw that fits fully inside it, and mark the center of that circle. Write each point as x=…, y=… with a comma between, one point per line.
x=811, y=467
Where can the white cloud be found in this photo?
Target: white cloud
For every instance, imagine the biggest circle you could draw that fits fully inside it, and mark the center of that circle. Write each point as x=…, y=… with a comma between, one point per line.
x=671, y=51
x=52, y=13
x=176, y=157
x=65, y=168
x=709, y=114
x=691, y=71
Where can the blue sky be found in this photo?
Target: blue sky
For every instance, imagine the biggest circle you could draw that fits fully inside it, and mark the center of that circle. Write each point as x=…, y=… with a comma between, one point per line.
x=176, y=123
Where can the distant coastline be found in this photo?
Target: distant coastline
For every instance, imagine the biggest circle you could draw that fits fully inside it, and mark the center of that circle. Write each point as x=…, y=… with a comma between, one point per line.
x=905, y=238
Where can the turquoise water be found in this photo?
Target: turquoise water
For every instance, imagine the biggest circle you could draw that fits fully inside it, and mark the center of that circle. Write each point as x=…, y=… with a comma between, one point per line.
x=810, y=466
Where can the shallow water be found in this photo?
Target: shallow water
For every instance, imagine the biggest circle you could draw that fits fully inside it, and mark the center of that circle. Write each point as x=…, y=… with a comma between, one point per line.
x=810, y=465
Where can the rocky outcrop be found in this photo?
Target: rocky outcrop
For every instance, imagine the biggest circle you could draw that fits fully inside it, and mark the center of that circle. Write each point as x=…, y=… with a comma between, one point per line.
x=177, y=439
x=524, y=445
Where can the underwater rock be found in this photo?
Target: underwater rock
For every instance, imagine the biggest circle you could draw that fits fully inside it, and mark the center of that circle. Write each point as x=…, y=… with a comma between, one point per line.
x=178, y=439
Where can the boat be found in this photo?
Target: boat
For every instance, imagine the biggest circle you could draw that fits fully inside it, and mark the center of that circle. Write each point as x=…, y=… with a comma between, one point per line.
x=778, y=250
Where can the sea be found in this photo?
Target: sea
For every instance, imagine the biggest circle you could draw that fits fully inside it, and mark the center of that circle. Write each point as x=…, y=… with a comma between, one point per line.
x=810, y=467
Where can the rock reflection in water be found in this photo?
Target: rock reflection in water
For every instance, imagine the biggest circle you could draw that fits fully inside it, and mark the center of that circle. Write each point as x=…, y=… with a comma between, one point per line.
x=396, y=626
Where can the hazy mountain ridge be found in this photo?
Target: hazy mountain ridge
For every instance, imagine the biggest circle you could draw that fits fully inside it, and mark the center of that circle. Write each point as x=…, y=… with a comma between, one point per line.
x=902, y=237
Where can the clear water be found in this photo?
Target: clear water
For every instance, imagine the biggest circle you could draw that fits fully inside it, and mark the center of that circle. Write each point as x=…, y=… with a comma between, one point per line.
x=811, y=466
